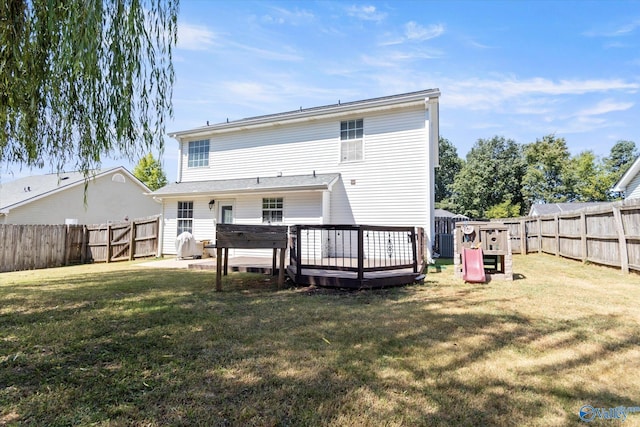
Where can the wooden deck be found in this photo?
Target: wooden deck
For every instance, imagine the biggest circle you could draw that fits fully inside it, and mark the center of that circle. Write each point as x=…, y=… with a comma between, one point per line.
x=338, y=256
x=350, y=280
x=355, y=256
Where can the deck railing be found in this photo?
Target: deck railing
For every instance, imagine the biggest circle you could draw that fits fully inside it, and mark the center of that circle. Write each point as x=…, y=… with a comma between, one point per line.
x=357, y=248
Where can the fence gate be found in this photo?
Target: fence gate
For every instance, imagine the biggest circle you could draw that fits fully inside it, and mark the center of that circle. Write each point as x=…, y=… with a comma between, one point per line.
x=123, y=241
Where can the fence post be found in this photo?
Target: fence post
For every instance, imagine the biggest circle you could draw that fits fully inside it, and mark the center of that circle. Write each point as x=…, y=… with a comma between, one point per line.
x=539, y=235
x=67, y=245
x=583, y=236
x=556, y=228
x=108, y=243
x=523, y=237
x=132, y=240
x=622, y=240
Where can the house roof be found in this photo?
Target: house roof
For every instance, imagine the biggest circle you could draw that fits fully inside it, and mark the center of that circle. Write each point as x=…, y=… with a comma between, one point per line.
x=540, y=209
x=249, y=185
x=28, y=189
x=381, y=103
x=631, y=173
x=442, y=213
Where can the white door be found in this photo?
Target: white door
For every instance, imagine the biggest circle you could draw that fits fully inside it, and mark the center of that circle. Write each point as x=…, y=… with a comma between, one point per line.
x=225, y=215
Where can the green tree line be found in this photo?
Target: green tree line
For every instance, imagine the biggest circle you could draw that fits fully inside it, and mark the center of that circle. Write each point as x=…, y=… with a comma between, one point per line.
x=501, y=178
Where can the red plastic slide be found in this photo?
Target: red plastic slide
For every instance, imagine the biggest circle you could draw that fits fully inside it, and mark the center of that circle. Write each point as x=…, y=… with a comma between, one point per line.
x=473, y=266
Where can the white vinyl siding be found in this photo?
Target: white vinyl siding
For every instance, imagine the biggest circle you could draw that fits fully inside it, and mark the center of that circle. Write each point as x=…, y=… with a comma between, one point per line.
x=390, y=185
x=299, y=208
x=633, y=189
x=392, y=179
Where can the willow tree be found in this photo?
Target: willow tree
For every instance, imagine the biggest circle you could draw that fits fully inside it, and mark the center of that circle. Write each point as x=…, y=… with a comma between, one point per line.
x=84, y=79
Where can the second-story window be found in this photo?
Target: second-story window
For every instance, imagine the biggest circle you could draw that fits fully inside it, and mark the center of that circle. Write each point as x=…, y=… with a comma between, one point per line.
x=351, y=134
x=198, y=153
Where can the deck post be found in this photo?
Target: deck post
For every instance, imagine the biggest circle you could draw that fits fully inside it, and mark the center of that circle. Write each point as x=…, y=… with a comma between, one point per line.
x=298, y=253
x=360, y=254
x=414, y=250
x=273, y=261
x=226, y=261
x=283, y=251
x=218, y=269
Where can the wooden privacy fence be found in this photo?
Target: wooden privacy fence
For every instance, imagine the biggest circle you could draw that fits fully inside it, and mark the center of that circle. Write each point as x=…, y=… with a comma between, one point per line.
x=443, y=242
x=28, y=247
x=608, y=235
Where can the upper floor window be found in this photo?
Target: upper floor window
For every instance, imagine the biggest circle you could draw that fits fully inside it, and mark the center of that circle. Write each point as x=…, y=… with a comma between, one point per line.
x=351, y=133
x=272, y=210
x=198, y=153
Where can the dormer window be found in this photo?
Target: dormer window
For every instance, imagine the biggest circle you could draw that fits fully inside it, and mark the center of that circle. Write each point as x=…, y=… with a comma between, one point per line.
x=198, y=153
x=351, y=136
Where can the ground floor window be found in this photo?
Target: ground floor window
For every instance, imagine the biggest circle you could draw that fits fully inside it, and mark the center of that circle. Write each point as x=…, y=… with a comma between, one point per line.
x=272, y=210
x=185, y=217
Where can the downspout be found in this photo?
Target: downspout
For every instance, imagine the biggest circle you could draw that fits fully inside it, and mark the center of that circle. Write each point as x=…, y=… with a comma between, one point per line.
x=179, y=177
x=160, y=228
x=326, y=207
x=434, y=161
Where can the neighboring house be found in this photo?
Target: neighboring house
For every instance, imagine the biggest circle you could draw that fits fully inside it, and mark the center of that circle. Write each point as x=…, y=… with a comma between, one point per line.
x=363, y=162
x=113, y=195
x=443, y=213
x=629, y=184
x=540, y=209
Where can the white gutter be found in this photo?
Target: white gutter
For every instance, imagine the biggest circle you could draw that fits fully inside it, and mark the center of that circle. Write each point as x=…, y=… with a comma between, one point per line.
x=179, y=174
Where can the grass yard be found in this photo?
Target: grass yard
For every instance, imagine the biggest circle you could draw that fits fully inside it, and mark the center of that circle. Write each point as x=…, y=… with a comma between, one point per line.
x=119, y=345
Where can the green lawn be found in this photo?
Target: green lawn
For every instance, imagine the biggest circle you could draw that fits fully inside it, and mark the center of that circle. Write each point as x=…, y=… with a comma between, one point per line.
x=121, y=345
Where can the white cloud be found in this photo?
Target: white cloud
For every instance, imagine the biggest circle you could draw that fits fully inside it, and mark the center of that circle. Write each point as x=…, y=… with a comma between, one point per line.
x=366, y=13
x=397, y=58
x=270, y=54
x=415, y=31
x=285, y=16
x=604, y=107
x=489, y=93
x=620, y=31
x=195, y=37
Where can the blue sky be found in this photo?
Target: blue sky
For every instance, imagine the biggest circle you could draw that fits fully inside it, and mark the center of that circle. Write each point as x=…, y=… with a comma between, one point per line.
x=519, y=69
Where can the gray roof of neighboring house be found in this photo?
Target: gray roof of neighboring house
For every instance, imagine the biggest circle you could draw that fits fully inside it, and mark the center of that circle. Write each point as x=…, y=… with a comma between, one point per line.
x=540, y=209
x=442, y=213
x=244, y=185
x=29, y=188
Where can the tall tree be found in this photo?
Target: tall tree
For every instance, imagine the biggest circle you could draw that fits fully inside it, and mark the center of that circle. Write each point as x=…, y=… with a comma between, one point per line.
x=547, y=160
x=491, y=175
x=150, y=172
x=585, y=180
x=450, y=165
x=622, y=155
x=84, y=79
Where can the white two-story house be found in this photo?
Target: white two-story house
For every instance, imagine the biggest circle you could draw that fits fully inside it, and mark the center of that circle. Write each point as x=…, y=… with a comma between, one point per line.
x=363, y=162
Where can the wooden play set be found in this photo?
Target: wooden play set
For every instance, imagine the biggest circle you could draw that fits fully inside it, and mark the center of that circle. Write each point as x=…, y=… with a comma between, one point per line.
x=482, y=252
